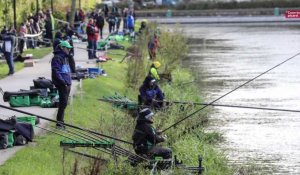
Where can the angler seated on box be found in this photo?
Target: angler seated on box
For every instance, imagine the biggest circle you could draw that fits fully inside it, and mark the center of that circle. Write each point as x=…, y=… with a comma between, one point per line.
x=146, y=137
x=150, y=93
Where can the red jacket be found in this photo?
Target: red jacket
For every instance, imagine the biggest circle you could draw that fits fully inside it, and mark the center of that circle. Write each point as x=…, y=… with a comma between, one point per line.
x=91, y=31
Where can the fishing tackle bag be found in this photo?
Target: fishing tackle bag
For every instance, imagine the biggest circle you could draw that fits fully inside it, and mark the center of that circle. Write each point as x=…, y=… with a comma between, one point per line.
x=43, y=83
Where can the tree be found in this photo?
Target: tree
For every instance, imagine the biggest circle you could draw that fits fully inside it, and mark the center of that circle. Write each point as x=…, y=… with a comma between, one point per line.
x=73, y=10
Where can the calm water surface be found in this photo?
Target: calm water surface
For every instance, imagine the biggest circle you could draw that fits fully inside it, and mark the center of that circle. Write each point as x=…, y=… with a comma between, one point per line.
x=225, y=57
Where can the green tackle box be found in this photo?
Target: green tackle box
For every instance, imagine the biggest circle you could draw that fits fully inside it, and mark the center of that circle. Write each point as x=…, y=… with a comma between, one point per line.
x=35, y=100
x=46, y=103
x=27, y=119
x=19, y=101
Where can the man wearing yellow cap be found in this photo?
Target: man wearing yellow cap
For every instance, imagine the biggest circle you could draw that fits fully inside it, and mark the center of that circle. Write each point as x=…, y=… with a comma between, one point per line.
x=153, y=70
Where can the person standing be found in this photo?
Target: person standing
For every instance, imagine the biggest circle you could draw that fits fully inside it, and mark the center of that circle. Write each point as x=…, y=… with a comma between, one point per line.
x=92, y=43
x=124, y=15
x=111, y=23
x=118, y=21
x=9, y=41
x=106, y=10
x=22, y=33
x=100, y=23
x=153, y=45
x=130, y=22
x=61, y=78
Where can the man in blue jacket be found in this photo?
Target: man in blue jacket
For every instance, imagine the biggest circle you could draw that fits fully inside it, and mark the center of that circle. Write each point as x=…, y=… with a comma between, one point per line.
x=150, y=93
x=61, y=77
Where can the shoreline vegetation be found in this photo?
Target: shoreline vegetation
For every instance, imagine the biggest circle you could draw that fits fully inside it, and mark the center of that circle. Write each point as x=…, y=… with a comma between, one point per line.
x=188, y=140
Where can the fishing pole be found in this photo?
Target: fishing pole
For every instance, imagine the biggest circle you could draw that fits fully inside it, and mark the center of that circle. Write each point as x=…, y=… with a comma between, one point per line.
x=238, y=87
x=235, y=106
x=118, y=150
x=55, y=132
x=203, y=104
x=66, y=124
x=84, y=154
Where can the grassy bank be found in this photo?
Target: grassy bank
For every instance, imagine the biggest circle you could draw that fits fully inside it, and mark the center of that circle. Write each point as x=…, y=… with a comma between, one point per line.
x=37, y=54
x=44, y=156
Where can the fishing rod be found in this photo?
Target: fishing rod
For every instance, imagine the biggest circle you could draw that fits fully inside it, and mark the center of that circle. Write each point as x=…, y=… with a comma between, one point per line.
x=48, y=130
x=238, y=87
x=235, y=106
x=84, y=154
x=66, y=124
x=119, y=150
x=203, y=104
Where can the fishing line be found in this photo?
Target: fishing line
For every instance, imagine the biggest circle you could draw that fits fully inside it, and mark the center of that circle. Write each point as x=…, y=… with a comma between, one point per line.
x=84, y=154
x=203, y=104
x=176, y=123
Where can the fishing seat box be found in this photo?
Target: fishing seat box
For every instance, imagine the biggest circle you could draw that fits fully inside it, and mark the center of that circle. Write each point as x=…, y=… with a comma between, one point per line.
x=22, y=98
x=19, y=101
x=28, y=119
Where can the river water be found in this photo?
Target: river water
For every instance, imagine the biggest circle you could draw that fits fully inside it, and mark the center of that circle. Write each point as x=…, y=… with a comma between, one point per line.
x=226, y=56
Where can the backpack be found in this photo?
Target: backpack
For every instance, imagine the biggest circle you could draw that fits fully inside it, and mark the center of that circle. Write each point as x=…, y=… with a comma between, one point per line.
x=43, y=83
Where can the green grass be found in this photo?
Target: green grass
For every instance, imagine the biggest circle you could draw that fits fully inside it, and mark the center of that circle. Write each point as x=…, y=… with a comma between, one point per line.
x=38, y=53
x=4, y=68
x=44, y=156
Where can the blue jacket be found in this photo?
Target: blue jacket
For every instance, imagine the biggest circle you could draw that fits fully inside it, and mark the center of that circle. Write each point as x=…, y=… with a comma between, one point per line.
x=61, y=72
x=148, y=92
x=130, y=21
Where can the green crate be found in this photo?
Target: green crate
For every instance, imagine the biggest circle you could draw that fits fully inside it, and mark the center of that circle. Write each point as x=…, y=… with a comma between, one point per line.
x=19, y=101
x=27, y=119
x=35, y=100
x=46, y=103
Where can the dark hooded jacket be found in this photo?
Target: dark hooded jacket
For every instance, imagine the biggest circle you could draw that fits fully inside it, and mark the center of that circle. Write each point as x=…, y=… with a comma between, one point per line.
x=61, y=73
x=145, y=136
x=148, y=92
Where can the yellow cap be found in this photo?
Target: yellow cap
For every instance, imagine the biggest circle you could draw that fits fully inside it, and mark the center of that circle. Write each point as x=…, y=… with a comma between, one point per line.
x=156, y=64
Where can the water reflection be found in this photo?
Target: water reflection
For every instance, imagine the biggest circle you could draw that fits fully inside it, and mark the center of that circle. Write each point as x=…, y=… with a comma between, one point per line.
x=227, y=56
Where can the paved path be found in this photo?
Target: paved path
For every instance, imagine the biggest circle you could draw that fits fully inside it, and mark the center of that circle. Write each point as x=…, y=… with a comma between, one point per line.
x=23, y=79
